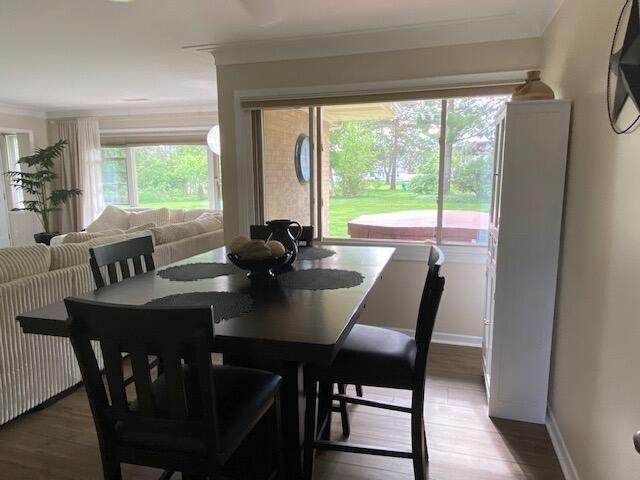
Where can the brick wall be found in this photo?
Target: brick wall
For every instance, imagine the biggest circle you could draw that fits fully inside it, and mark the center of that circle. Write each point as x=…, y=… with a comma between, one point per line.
x=284, y=195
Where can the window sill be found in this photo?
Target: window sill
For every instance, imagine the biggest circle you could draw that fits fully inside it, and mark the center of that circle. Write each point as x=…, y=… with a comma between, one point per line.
x=408, y=251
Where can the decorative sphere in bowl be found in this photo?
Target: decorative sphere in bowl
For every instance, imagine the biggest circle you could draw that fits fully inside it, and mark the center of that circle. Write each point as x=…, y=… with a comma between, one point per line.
x=260, y=267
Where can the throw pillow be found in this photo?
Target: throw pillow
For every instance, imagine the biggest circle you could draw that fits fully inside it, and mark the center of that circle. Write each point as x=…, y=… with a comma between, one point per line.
x=195, y=213
x=111, y=217
x=176, y=215
x=158, y=216
x=210, y=222
x=140, y=228
x=80, y=237
x=177, y=231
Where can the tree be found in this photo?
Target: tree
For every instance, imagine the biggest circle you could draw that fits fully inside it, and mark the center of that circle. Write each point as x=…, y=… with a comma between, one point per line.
x=467, y=118
x=352, y=155
x=403, y=140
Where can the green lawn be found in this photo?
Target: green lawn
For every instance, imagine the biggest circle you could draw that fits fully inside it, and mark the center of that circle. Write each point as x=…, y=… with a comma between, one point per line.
x=186, y=204
x=380, y=199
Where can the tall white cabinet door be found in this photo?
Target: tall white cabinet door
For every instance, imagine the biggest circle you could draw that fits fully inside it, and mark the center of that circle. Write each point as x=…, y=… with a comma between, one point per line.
x=522, y=266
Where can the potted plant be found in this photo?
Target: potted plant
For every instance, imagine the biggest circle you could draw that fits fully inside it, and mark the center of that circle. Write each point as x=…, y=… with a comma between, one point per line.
x=35, y=180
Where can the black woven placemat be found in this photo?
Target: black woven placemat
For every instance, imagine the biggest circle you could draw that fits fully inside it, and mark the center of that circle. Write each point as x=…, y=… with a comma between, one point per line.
x=225, y=304
x=314, y=253
x=197, y=271
x=320, y=279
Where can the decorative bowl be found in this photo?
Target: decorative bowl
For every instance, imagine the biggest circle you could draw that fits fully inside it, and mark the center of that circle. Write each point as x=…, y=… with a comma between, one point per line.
x=260, y=268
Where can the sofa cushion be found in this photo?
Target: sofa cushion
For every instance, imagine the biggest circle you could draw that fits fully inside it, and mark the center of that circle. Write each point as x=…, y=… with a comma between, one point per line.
x=210, y=222
x=116, y=238
x=80, y=237
x=195, y=213
x=68, y=255
x=18, y=262
x=111, y=217
x=140, y=228
x=176, y=215
x=159, y=216
x=177, y=231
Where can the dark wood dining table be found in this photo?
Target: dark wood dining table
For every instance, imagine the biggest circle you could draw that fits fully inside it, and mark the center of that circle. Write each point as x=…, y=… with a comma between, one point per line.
x=285, y=330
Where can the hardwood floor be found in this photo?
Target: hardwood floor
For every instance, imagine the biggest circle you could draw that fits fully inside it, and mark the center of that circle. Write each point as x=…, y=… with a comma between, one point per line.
x=59, y=442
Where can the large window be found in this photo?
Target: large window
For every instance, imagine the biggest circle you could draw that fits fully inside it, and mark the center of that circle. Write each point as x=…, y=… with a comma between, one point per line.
x=408, y=170
x=174, y=176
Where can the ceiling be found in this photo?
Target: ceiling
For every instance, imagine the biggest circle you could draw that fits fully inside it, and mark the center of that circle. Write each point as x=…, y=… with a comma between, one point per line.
x=93, y=54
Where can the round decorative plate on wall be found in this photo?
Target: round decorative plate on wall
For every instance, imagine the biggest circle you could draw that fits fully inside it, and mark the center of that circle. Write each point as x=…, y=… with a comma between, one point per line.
x=302, y=158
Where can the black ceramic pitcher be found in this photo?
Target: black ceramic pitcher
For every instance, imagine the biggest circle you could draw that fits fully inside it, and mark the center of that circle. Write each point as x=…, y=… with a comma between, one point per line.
x=281, y=231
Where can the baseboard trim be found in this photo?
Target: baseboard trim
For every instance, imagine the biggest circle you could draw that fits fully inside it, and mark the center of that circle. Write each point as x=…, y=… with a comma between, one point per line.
x=448, y=338
x=566, y=463
x=455, y=339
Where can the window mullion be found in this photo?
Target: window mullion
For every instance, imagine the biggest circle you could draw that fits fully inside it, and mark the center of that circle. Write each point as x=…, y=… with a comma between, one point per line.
x=320, y=192
x=131, y=178
x=210, y=178
x=443, y=140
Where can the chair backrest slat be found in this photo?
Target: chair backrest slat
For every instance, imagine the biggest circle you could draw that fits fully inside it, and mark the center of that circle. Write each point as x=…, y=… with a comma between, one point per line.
x=137, y=266
x=181, y=338
x=173, y=371
x=119, y=254
x=142, y=379
x=113, y=371
x=113, y=273
x=124, y=268
x=148, y=259
x=428, y=310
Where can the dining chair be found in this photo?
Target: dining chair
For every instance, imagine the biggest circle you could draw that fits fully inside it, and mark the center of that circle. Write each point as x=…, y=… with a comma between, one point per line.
x=379, y=357
x=262, y=232
x=139, y=250
x=194, y=416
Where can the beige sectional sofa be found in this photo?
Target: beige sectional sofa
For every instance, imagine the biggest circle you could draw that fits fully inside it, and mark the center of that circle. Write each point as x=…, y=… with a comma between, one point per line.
x=34, y=368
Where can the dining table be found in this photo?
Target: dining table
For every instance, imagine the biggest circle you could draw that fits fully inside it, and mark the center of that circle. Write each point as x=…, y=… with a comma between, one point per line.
x=284, y=328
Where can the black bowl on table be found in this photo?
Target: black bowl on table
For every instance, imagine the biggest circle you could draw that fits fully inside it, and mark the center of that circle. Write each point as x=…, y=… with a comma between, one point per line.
x=260, y=268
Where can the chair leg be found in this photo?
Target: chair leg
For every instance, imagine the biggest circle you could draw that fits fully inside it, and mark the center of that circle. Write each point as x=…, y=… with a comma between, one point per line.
x=344, y=414
x=111, y=467
x=419, y=442
x=310, y=391
x=325, y=409
x=277, y=428
x=359, y=391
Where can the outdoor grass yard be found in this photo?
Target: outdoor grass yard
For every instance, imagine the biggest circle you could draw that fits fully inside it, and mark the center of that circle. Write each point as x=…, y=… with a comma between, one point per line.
x=380, y=199
x=186, y=204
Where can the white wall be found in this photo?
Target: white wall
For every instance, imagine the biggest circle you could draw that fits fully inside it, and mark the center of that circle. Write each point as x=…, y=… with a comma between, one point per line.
x=595, y=386
x=395, y=300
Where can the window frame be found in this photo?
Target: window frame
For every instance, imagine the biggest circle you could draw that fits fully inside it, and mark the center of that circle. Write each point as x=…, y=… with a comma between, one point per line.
x=315, y=118
x=213, y=175
x=11, y=193
x=241, y=152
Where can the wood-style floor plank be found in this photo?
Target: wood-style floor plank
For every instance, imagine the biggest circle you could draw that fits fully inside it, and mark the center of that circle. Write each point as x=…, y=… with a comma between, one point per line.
x=59, y=442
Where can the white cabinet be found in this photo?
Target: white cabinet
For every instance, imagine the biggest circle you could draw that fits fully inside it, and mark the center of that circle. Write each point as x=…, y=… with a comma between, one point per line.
x=522, y=264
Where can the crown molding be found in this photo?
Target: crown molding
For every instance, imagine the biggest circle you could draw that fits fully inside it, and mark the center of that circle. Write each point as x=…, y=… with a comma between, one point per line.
x=497, y=28
x=126, y=111
x=154, y=130
x=23, y=111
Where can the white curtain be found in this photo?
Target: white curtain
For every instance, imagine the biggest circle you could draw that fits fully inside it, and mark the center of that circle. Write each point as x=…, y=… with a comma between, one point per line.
x=80, y=168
